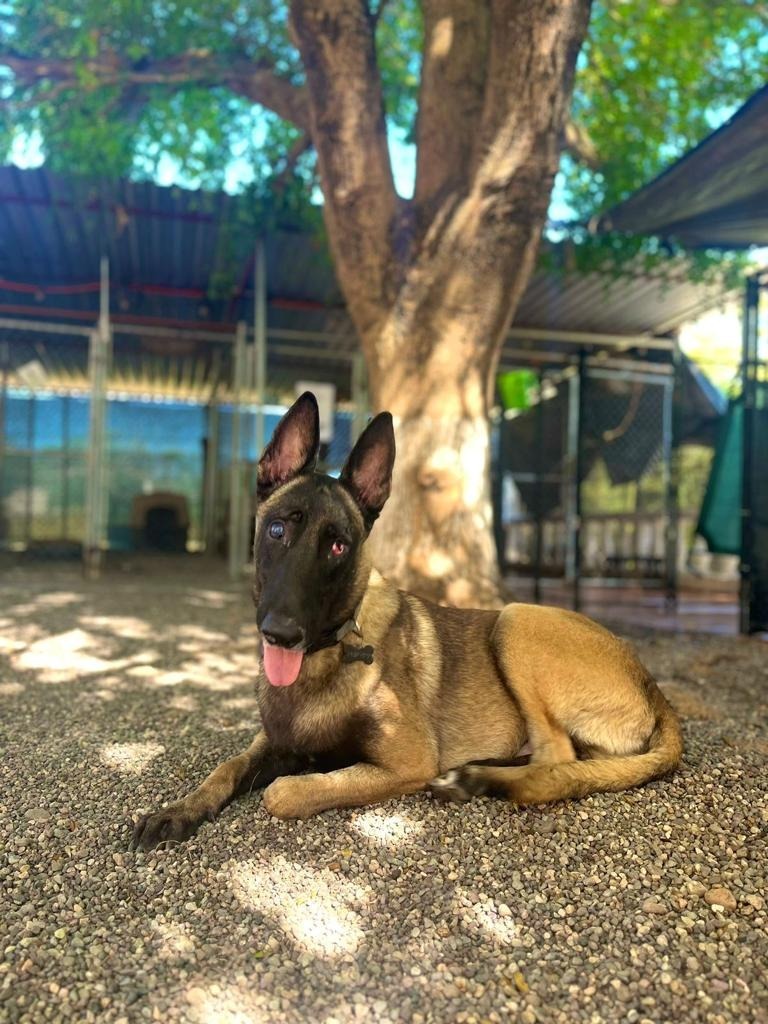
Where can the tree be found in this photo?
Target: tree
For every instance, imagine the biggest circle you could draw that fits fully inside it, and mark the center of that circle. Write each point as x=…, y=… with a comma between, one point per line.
x=483, y=89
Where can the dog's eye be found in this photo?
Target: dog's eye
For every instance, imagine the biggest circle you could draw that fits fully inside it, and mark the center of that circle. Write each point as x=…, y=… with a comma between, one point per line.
x=277, y=529
x=338, y=548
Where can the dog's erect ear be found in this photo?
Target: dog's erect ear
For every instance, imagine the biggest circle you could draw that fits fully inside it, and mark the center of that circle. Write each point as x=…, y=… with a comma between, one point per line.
x=293, y=448
x=367, y=473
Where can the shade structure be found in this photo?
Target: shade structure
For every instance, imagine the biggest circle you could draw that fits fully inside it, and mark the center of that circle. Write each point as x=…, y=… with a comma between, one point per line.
x=715, y=196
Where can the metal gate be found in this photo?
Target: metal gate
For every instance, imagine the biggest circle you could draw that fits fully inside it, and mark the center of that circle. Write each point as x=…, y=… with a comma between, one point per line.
x=754, y=495
x=591, y=466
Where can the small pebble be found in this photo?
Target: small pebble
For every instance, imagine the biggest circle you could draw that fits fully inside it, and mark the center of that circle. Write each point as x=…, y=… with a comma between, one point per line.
x=719, y=896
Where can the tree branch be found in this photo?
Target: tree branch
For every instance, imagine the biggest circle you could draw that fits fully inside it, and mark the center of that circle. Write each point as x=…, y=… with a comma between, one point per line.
x=524, y=91
x=476, y=258
x=577, y=143
x=302, y=144
x=256, y=81
x=336, y=41
x=450, y=97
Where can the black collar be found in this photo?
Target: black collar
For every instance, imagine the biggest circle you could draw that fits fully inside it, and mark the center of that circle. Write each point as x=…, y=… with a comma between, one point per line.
x=335, y=636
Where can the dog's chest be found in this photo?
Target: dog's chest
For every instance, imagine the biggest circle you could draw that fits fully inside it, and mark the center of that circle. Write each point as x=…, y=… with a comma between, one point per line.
x=334, y=726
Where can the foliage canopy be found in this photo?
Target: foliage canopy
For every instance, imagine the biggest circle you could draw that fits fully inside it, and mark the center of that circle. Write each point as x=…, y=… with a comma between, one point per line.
x=654, y=77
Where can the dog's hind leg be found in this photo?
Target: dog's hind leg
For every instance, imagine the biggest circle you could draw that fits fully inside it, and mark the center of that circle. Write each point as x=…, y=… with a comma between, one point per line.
x=545, y=783
x=256, y=767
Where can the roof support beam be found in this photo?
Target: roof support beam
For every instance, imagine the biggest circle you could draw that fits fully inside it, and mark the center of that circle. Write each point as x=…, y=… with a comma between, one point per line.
x=590, y=338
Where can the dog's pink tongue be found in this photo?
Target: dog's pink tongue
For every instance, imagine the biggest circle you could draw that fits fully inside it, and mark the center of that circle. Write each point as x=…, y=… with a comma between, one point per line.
x=282, y=666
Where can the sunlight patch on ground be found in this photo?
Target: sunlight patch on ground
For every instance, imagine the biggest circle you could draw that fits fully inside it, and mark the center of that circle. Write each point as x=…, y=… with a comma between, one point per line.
x=66, y=656
x=108, y=689
x=10, y=645
x=225, y=1004
x=142, y=671
x=146, y=656
x=487, y=917
x=170, y=678
x=130, y=758
x=183, y=702
x=213, y=671
x=59, y=599
x=174, y=939
x=312, y=906
x=391, y=830
x=210, y=598
x=18, y=636
x=208, y=636
x=126, y=627
x=10, y=689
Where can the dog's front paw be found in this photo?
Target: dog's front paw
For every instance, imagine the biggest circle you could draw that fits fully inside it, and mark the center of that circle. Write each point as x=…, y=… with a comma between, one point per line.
x=174, y=824
x=459, y=784
x=287, y=797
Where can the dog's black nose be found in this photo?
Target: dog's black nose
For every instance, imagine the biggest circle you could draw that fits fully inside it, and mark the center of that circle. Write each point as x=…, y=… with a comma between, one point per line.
x=282, y=630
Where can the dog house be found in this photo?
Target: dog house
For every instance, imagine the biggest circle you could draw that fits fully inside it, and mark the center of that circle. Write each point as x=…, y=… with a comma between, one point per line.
x=160, y=521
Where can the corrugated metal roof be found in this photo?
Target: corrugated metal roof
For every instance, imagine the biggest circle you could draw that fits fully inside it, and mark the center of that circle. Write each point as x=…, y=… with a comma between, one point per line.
x=184, y=261
x=716, y=195
x=609, y=304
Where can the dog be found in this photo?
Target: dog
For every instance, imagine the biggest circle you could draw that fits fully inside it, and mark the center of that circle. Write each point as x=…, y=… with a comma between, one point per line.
x=367, y=692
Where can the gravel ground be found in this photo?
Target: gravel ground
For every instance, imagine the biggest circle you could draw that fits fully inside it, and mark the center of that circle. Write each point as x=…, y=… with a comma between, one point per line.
x=117, y=696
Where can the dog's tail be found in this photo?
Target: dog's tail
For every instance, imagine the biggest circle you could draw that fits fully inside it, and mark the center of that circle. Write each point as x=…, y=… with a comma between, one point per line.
x=545, y=783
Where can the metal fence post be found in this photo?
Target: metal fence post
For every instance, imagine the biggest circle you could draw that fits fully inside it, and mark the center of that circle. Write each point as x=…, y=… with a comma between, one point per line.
x=236, y=463
x=211, y=475
x=671, y=456
x=538, y=542
x=5, y=360
x=573, y=483
x=749, y=381
x=96, y=501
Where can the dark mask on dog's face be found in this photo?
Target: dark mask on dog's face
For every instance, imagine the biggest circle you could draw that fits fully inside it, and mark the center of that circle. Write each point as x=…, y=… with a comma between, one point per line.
x=310, y=530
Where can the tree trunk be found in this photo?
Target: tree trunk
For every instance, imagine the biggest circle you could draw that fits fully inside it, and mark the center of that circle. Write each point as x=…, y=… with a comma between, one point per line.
x=432, y=284
x=433, y=366
x=434, y=536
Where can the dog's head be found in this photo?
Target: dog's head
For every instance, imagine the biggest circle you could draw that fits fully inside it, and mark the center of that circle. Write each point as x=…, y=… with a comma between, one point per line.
x=310, y=573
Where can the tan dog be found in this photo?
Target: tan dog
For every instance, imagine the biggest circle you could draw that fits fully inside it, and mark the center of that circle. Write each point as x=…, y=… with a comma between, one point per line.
x=378, y=693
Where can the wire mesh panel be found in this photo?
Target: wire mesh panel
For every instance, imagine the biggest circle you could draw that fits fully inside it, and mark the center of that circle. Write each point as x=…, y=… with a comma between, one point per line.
x=529, y=474
x=625, y=448
x=42, y=472
x=583, y=476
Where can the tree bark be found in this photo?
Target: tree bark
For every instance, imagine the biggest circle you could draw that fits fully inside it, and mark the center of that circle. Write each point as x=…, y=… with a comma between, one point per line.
x=435, y=534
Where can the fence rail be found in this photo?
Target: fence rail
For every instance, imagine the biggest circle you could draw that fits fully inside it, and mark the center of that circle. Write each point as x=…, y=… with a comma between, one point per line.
x=625, y=545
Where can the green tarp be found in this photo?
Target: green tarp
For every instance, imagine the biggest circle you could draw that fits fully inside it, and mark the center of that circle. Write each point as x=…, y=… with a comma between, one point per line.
x=720, y=517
